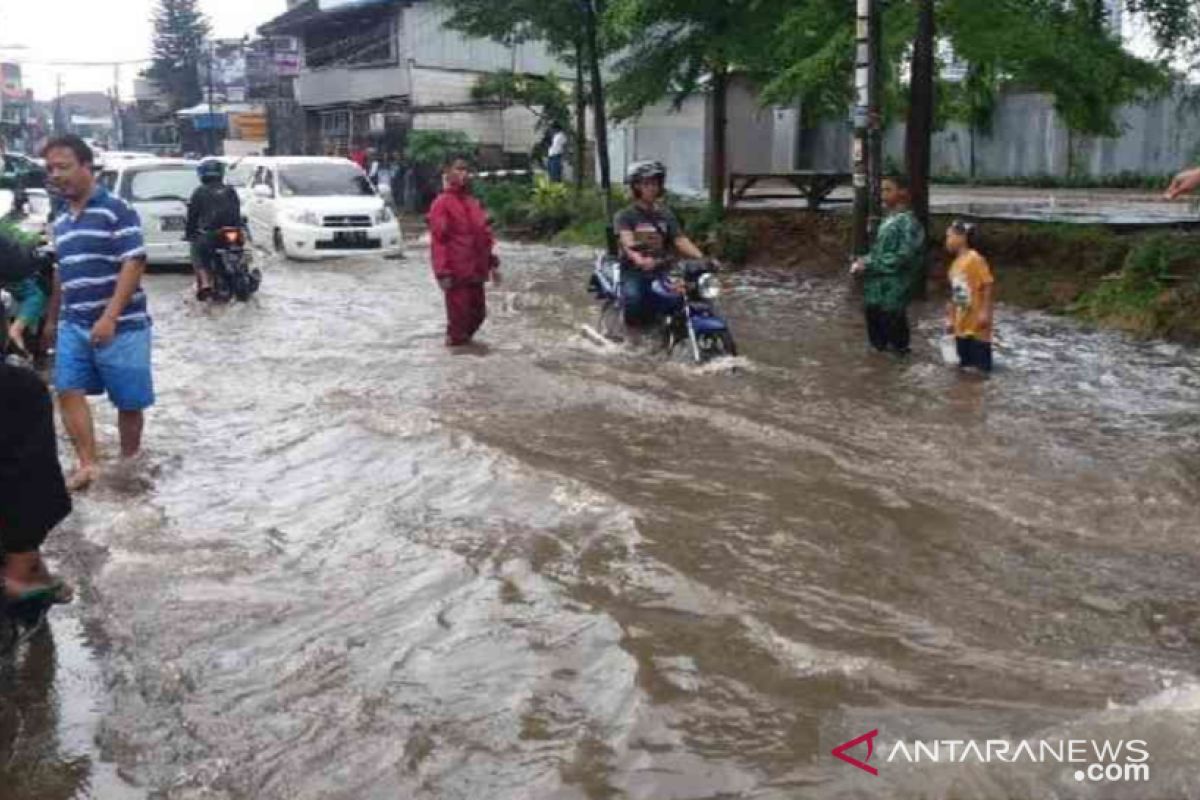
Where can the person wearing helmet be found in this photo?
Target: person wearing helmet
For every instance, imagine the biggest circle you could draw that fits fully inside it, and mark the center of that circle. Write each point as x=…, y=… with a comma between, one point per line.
x=649, y=234
x=213, y=206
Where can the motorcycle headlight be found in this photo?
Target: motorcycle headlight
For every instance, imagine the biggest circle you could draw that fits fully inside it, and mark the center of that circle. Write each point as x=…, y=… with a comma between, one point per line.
x=383, y=216
x=708, y=287
x=305, y=218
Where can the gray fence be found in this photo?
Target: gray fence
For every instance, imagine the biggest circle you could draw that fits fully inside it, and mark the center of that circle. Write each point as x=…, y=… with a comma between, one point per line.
x=1029, y=139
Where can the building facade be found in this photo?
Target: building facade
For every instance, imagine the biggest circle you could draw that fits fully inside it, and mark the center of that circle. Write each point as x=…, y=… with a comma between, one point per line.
x=370, y=72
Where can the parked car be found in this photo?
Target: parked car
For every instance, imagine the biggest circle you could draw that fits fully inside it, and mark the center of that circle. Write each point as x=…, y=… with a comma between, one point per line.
x=16, y=168
x=311, y=208
x=159, y=190
x=239, y=173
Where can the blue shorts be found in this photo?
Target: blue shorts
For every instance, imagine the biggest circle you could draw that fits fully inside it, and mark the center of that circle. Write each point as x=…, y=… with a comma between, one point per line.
x=121, y=368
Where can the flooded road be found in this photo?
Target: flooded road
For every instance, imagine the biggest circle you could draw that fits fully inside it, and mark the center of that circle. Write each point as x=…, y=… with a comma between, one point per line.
x=355, y=565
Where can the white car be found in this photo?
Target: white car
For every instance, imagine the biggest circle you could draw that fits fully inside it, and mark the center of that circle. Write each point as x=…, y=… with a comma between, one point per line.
x=312, y=208
x=159, y=190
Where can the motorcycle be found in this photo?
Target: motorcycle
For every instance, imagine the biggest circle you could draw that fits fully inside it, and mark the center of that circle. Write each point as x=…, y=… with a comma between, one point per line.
x=234, y=277
x=682, y=296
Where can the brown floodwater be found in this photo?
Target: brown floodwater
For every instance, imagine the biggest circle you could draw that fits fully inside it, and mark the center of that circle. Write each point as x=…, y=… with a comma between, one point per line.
x=352, y=564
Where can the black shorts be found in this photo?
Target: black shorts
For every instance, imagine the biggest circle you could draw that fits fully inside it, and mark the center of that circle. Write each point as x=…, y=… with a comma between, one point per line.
x=975, y=353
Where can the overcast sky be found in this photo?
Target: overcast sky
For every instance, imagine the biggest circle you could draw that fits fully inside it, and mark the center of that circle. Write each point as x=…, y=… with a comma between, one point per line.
x=102, y=30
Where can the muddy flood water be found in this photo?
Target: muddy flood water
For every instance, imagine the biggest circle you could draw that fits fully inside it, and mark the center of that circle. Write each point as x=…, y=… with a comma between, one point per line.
x=355, y=565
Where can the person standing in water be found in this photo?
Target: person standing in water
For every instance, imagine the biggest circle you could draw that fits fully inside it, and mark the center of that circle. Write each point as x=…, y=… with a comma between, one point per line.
x=892, y=269
x=969, y=313
x=98, y=311
x=463, y=261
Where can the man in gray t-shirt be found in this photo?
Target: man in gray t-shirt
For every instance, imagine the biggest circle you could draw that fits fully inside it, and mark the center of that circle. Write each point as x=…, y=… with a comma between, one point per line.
x=649, y=234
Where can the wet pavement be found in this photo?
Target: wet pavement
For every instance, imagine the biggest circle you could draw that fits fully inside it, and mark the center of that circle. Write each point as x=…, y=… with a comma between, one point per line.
x=355, y=565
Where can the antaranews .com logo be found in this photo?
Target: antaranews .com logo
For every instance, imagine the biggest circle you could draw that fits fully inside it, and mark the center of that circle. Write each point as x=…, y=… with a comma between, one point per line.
x=1091, y=760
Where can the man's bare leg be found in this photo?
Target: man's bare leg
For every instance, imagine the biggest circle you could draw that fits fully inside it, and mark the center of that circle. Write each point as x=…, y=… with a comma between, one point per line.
x=77, y=419
x=131, y=424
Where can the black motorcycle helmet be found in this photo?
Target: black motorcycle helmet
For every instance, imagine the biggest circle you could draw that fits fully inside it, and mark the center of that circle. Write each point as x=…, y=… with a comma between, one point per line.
x=643, y=171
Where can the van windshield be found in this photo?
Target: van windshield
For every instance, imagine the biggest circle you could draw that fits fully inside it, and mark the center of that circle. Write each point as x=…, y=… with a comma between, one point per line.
x=323, y=180
x=162, y=183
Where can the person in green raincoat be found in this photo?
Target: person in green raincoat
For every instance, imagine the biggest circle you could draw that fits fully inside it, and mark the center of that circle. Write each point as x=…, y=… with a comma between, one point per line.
x=892, y=269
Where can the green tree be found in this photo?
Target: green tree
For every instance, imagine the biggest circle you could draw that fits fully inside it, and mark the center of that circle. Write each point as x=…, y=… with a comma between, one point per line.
x=180, y=31
x=542, y=96
x=562, y=25
x=687, y=46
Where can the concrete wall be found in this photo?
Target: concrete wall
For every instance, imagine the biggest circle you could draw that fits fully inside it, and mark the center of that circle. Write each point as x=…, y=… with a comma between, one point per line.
x=1028, y=139
x=339, y=85
x=761, y=139
x=426, y=42
x=661, y=133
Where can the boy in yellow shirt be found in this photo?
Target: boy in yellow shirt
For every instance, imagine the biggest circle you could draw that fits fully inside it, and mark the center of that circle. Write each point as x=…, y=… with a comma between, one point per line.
x=972, y=298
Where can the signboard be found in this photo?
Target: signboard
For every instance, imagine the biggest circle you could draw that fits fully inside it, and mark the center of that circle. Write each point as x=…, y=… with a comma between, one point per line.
x=10, y=82
x=210, y=122
x=229, y=65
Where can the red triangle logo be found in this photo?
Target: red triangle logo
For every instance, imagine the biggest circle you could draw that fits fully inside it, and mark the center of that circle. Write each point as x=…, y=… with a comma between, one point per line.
x=869, y=738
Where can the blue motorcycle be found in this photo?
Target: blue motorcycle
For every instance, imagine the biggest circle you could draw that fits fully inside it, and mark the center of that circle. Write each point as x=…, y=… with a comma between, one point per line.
x=682, y=298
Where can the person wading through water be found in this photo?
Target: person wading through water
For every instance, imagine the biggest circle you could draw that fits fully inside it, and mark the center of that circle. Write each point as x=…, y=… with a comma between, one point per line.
x=463, y=261
x=33, y=494
x=892, y=270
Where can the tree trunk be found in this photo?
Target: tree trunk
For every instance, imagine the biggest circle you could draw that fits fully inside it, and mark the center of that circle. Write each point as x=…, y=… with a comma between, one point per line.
x=580, y=115
x=919, y=141
x=720, y=138
x=592, y=10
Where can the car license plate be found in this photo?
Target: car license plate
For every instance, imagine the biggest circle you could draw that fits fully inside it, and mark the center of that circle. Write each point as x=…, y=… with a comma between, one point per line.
x=350, y=237
x=172, y=224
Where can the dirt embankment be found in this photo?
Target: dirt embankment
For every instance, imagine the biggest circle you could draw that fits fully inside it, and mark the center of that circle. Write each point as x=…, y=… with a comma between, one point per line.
x=1147, y=283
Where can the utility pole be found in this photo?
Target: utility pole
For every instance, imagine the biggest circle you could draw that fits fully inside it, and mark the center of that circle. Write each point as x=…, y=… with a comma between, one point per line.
x=212, y=144
x=867, y=154
x=61, y=125
x=118, y=121
x=592, y=10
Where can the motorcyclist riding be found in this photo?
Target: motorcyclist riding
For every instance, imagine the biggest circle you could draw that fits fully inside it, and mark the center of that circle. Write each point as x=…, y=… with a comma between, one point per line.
x=649, y=233
x=213, y=206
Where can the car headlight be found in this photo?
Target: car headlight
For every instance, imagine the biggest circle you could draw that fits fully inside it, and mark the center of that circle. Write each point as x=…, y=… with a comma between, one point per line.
x=304, y=218
x=383, y=216
x=708, y=287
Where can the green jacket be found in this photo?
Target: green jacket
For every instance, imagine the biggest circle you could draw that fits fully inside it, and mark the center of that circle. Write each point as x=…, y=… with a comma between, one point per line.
x=894, y=265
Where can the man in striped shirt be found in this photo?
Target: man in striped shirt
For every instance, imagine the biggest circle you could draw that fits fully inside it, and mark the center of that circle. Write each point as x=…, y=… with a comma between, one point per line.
x=103, y=327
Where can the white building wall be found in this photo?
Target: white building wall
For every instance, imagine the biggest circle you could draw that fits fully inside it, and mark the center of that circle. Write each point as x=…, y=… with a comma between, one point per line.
x=442, y=101
x=661, y=133
x=427, y=42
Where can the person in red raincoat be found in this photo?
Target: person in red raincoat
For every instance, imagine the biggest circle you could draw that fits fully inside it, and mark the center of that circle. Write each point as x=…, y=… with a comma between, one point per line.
x=463, y=261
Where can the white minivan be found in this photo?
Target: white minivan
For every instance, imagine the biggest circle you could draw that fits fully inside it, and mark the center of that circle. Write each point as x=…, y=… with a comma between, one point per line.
x=311, y=208
x=159, y=190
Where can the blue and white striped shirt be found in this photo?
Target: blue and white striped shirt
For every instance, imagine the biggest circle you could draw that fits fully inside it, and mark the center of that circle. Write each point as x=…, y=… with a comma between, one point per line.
x=91, y=249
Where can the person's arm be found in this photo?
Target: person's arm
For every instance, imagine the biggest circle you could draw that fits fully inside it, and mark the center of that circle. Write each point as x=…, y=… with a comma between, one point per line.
x=687, y=248
x=439, y=237
x=987, y=304
x=52, y=311
x=132, y=253
x=31, y=302
x=629, y=248
x=191, y=230
x=1184, y=183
